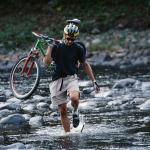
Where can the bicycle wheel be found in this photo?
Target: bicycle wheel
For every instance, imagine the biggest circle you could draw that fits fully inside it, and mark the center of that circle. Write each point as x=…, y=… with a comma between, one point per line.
x=23, y=85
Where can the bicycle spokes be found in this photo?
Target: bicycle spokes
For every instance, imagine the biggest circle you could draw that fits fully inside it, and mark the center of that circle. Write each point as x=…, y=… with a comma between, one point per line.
x=24, y=77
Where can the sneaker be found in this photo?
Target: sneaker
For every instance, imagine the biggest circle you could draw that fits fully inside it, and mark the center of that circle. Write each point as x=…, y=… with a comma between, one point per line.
x=76, y=119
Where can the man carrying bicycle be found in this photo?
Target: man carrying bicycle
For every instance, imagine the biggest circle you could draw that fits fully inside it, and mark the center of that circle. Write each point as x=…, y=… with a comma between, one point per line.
x=66, y=56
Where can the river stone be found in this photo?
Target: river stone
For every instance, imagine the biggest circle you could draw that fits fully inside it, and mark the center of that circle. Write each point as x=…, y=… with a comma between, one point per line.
x=43, y=107
x=127, y=105
x=7, y=92
x=147, y=121
x=36, y=122
x=99, y=58
x=4, y=113
x=27, y=117
x=123, y=83
x=145, y=106
x=87, y=90
x=14, y=119
x=140, y=61
x=10, y=106
x=2, y=97
x=29, y=108
x=1, y=139
x=15, y=146
x=145, y=86
x=117, y=101
x=138, y=101
x=14, y=100
x=38, y=97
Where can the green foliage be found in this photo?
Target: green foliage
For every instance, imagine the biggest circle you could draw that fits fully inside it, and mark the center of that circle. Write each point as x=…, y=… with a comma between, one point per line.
x=17, y=34
x=48, y=16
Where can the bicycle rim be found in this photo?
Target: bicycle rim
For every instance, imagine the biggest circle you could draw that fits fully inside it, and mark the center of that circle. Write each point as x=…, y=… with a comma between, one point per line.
x=23, y=85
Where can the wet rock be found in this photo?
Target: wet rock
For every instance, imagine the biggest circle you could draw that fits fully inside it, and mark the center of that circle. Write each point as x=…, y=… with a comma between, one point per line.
x=145, y=86
x=6, y=66
x=8, y=93
x=140, y=61
x=113, y=63
x=100, y=59
x=14, y=100
x=87, y=90
x=138, y=101
x=38, y=97
x=1, y=139
x=116, y=102
x=42, y=107
x=2, y=97
x=127, y=105
x=54, y=114
x=15, y=119
x=145, y=106
x=36, y=122
x=147, y=121
x=10, y=106
x=4, y=113
x=29, y=108
x=27, y=117
x=109, y=93
x=146, y=94
x=123, y=83
x=15, y=146
x=14, y=123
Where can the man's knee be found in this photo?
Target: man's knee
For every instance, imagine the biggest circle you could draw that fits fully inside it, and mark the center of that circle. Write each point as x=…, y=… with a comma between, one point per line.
x=74, y=98
x=63, y=109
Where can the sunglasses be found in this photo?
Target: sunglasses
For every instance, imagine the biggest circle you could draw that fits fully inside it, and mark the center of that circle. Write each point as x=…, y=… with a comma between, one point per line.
x=70, y=39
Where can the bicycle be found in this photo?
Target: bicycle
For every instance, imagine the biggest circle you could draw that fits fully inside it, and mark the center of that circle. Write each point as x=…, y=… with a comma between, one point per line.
x=26, y=73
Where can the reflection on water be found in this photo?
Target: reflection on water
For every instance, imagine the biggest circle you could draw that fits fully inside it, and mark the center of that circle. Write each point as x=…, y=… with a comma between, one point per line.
x=112, y=128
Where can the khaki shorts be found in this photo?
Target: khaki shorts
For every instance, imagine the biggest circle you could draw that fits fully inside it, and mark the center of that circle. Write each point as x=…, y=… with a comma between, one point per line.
x=59, y=92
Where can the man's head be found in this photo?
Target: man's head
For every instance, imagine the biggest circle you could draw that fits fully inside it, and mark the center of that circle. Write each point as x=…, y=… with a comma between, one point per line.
x=71, y=31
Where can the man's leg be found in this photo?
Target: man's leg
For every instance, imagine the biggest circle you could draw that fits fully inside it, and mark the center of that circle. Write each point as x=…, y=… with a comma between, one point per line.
x=74, y=96
x=64, y=118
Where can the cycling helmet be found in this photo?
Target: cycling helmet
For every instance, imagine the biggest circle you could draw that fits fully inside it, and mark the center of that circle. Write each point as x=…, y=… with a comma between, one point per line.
x=71, y=30
x=74, y=21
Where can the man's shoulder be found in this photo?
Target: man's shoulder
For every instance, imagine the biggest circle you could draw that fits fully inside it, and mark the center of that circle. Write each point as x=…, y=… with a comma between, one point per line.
x=80, y=45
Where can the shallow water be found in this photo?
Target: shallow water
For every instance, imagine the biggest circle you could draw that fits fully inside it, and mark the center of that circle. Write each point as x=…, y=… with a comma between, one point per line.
x=105, y=128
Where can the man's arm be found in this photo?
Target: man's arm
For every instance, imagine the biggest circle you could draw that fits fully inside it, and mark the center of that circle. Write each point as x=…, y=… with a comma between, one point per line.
x=88, y=70
x=48, y=59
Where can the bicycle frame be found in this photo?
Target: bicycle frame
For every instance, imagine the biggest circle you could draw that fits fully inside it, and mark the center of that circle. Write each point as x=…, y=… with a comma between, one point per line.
x=34, y=53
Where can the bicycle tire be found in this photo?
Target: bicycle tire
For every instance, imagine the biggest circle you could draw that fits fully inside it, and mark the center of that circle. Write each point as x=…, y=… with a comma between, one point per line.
x=27, y=94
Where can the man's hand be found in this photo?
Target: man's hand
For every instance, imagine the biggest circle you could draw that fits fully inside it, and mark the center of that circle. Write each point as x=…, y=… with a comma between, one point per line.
x=96, y=86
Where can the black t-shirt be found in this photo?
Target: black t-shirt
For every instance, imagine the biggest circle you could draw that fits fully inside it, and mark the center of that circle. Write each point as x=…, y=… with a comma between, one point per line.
x=66, y=58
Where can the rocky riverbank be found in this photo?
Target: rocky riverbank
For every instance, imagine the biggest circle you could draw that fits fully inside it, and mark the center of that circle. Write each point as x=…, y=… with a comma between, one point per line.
x=121, y=49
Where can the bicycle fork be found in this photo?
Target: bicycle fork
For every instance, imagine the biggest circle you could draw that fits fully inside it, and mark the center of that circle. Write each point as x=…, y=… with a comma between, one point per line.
x=24, y=69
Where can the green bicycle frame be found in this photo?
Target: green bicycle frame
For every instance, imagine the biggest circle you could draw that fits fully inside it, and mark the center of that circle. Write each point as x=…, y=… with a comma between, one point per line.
x=38, y=45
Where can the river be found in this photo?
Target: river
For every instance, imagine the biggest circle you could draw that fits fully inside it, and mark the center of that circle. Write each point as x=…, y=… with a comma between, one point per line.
x=112, y=118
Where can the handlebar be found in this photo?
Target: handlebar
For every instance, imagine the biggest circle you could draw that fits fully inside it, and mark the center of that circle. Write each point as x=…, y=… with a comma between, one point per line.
x=45, y=38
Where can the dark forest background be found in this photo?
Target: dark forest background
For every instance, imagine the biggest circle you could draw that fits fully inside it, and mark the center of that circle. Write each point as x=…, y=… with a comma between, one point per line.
x=18, y=18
